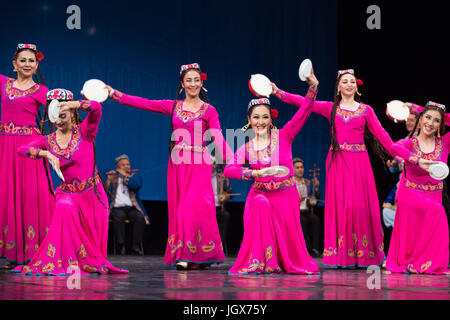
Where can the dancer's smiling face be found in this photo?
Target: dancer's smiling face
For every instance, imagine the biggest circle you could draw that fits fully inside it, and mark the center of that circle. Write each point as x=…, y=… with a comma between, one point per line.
x=347, y=85
x=430, y=122
x=192, y=83
x=26, y=63
x=260, y=119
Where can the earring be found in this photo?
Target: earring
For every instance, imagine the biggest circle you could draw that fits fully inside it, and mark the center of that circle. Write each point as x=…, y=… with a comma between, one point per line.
x=181, y=90
x=273, y=127
x=338, y=93
x=357, y=92
x=204, y=89
x=439, y=134
x=14, y=70
x=245, y=128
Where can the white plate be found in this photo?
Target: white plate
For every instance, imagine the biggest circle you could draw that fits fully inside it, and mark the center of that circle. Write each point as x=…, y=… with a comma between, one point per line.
x=95, y=90
x=305, y=69
x=259, y=84
x=439, y=171
x=397, y=111
x=282, y=171
x=53, y=110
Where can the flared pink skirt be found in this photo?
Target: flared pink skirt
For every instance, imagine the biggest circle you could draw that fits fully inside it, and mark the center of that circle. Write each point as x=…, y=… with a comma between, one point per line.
x=273, y=239
x=419, y=242
x=193, y=234
x=77, y=238
x=26, y=200
x=353, y=232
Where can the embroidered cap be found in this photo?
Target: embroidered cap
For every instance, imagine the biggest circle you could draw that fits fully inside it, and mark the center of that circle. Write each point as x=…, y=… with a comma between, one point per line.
x=26, y=46
x=256, y=102
x=59, y=94
x=341, y=72
x=189, y=66
x=437, y=105
x=121, y=157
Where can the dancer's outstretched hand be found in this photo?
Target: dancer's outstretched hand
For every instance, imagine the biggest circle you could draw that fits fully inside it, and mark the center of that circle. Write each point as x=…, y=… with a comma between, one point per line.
x=268, y=172
x=110, y=90
x=311, y=79
x=274, y=88
x=425, y=164
x=54, y=162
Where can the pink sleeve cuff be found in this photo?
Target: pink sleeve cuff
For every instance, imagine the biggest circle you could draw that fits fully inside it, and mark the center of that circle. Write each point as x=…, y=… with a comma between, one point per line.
x=85, y=105
x=415, y=109
x=312, y=92
x=117, y=96
x=32, y=152
x=414, y=159
x=246, y=174
x=280, y=94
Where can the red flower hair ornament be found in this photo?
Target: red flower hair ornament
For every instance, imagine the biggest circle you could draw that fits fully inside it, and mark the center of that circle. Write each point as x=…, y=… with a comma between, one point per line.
x=39, y=56
x=274, y=113
x=359, y=82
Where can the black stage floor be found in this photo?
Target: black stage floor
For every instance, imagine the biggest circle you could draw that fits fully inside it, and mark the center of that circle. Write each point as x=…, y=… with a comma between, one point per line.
x=149, y=279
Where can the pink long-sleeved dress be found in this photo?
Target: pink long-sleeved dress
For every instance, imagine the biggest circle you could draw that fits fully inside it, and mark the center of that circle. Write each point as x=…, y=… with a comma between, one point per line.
x=26, y=191
x=78, y=233
x=193, y=234
x=419, y=242
x=273, y=239
x=353, y=232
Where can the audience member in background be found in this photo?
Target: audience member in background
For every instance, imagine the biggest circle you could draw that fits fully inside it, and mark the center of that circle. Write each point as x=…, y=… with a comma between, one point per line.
x=308, y=191
x=123, y=185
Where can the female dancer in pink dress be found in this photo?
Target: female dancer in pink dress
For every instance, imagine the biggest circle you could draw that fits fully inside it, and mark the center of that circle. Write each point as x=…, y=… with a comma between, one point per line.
x=78, y=234
x=193, y=238
x=417, y=110
x=353, y=232
x=419, y=242
x=273, y=238
x=26, y=192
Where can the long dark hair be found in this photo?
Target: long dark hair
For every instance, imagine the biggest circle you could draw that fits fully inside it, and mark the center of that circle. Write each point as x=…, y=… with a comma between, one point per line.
x=369, y=138
x=203, y=96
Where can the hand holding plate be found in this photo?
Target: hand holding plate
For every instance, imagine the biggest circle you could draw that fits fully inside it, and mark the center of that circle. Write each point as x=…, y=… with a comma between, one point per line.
x=110, y=90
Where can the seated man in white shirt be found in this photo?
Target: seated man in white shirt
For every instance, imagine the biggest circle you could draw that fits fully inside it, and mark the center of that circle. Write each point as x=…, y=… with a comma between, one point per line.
x=124, y=205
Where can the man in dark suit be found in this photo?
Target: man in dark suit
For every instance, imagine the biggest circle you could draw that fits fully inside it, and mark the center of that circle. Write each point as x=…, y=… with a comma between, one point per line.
x=123, y=185
x=308, y=190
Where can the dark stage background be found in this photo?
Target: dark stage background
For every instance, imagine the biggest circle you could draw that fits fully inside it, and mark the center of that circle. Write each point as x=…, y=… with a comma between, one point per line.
x=138, y=47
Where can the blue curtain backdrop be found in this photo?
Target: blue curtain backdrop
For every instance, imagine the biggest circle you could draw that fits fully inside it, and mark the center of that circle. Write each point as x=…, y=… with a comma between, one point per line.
x=138, y=47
